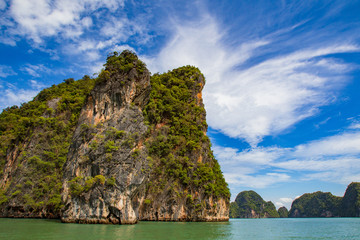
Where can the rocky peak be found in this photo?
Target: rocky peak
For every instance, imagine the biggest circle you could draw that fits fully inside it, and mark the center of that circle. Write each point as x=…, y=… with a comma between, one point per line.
x=124, y=82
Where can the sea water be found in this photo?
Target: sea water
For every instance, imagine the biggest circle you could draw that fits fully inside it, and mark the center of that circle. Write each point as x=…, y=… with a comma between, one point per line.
x=285, y=228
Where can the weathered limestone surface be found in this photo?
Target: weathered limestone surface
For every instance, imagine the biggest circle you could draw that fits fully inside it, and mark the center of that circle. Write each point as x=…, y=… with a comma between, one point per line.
x=113, y=108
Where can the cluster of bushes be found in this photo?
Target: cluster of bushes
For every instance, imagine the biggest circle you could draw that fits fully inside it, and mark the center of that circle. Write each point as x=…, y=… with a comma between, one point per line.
x=108, y=141
x=121, y=63
x=79, y=185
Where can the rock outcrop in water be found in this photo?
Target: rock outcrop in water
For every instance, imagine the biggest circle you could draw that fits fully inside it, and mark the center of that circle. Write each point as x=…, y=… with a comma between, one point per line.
x=350, y=203
x=283, y=212
x=132, y=147
x=318, y=204
x=249, y=204
x=321, y=204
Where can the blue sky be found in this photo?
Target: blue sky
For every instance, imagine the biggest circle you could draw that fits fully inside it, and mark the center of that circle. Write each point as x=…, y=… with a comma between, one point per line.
x=282, y=76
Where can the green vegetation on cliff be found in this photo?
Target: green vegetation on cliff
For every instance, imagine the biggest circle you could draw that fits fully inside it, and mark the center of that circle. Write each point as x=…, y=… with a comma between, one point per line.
x=283, y=212
x=317, y=204
x=249, y=204
x=38, y=135
x=121, y=63
x=350, y=203
x=234, y=210
x=176, y=117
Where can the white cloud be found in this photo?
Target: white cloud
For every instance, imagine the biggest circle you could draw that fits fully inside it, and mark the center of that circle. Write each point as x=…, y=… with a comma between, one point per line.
x=11, y=94
x=10, y=97
x=345, y=143
x=255, y=157
x=6, y=71
x=255, y=181
x=37, y=19
x=331, y=159
x=120, y=48
x=266, y=98
x=244, y=168
x=2, y=4
x=36, y=85
x=35, y=70
x=270, y=97
x=355, y=125
x=284, y=202
x=112, y=26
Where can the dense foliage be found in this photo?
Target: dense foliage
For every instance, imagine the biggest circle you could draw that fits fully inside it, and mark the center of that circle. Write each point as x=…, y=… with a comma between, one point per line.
x=177, y=128
x=44, y=127
x=249, y=202
x=317, y=204
x=121, y=63
x=350, y=204
x=234, y=210
x=283, y=212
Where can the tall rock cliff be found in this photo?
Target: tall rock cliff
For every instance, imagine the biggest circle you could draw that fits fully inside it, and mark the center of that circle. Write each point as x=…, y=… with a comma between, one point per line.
x=136, y=150
x=106, y=164
x=34, y=141
x=249, y=204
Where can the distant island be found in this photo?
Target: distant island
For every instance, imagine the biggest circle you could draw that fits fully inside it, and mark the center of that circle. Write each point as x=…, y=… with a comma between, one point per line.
x=249, y=204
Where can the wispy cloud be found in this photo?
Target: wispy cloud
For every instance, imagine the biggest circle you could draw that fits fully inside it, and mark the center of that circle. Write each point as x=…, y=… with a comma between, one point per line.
x=15, y=96
x=284, y=202
x=6, y=71
x=35, y=70
x=36, y=85
x=263, y=98
x=256, y=181
x=2, y=4
x=332, y=159
x=85, y=30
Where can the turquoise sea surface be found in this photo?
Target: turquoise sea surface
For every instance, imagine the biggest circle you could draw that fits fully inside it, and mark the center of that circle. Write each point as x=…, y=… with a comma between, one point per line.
x=290, y=228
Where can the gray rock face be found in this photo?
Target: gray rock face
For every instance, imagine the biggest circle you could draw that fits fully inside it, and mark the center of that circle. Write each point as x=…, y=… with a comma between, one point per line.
x=106, y=163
